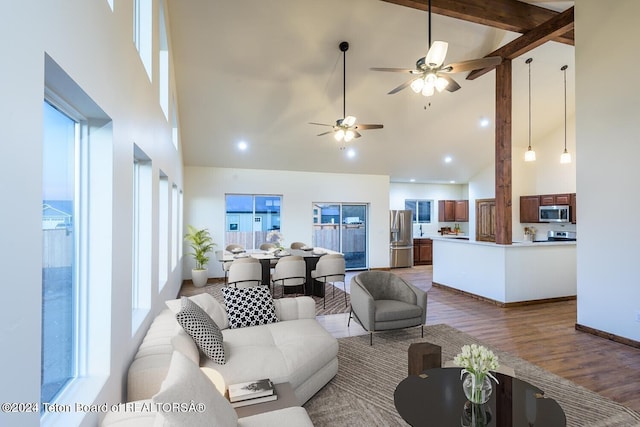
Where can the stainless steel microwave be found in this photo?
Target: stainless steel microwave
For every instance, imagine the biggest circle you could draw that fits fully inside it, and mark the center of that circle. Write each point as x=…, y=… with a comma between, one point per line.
x=554, y=214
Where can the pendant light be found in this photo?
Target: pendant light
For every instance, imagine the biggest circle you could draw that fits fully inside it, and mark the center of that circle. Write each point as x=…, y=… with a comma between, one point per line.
x=565, y=157
x=530, y=155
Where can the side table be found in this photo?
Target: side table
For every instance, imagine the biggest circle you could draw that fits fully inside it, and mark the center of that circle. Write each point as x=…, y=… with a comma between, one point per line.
x=286, y=399
x=422, y=356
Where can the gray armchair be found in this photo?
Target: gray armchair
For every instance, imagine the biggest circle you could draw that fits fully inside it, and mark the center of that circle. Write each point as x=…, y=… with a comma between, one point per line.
x=382, y=301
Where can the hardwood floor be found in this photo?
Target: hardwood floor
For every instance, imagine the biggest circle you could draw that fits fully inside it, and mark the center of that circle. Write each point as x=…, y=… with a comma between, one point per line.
x=543, y=334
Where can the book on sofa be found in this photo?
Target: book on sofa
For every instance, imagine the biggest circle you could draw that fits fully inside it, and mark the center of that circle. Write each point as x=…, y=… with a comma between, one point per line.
x=251, y=390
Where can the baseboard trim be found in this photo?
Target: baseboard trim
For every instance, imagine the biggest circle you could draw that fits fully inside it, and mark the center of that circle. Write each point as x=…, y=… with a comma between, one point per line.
x=504, y=304
x=608, y=335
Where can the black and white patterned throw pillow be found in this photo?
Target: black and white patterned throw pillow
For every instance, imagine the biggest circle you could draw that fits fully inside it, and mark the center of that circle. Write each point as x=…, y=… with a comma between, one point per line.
x=204, y=331
x=249, y=306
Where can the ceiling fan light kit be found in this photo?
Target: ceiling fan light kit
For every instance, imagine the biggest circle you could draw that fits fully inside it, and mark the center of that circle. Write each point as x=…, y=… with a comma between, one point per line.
x=430, y=74
x=345, y=129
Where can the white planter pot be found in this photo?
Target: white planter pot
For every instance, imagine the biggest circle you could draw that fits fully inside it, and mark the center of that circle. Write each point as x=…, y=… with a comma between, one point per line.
x=199, y=277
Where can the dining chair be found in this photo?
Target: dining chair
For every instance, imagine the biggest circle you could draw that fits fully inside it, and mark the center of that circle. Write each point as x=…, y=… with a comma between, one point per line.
x=290, y=271
x=269, y=247
x=330, y=269
x=226, y=264
x=245, y=272
x=298, y=245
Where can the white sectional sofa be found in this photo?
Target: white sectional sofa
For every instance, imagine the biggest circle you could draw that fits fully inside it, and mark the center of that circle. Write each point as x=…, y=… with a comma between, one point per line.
x=296, y=349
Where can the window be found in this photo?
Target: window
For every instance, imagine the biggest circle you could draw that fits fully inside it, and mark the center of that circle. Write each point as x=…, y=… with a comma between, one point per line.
x=342, y=227
x=77, y=243
x=421, y=210
x=250, y=217
x=176, y=237
x=143, y=31
x=163, y=64
x=163, y=230
x=142, y=219
x=174, y=123
x=60, y=262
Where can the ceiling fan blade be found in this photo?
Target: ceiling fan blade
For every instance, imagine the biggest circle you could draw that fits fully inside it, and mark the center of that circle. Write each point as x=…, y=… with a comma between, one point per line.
x=436, y=54
x=365, y=127
x=402, y=86
x=473, y=64
x=393, y=70
x=319, y=124
x=356, y=134
x=452, y=86
x=325, y=133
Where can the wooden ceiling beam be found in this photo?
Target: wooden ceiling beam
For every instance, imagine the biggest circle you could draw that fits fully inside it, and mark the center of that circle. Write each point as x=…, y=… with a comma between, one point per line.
x=559, y=24
x=510, y=15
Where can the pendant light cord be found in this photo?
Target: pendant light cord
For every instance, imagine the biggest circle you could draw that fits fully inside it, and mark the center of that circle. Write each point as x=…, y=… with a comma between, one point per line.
x=564, y=69
x=529, y=63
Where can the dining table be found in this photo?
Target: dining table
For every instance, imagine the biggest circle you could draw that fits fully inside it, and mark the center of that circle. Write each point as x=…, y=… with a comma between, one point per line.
x=310, y=255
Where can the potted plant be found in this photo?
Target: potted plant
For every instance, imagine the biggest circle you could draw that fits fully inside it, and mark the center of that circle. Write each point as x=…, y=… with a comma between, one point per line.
x=202, y=243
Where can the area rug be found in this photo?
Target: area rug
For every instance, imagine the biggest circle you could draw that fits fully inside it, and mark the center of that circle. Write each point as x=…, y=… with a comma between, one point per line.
x=361, y=394
x=334, y=304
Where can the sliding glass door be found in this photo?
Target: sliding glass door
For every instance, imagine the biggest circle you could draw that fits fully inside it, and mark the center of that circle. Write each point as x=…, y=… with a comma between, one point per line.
x=342, y=227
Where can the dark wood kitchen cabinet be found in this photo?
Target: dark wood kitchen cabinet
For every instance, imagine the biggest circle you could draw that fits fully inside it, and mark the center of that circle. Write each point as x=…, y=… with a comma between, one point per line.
x=422, y=252
x=572, y=208
x=453, y=210
x=555, y=199
x=486, y=220
x=446, y=210
x=529, y=209
x=462, y=211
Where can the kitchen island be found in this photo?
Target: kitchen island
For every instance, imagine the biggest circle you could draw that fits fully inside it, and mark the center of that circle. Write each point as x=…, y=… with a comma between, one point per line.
x=523, y=272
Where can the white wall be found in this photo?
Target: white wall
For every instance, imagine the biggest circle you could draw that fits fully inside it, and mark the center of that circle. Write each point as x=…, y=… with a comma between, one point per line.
x=204, y=203
x=94, y=46
x=607, y=130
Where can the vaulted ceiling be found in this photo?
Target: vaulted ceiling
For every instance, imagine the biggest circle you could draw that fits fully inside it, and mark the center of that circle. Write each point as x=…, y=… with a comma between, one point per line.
x=260, y=71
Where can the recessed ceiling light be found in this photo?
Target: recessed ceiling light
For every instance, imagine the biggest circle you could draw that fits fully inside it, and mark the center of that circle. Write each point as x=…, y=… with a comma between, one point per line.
x=242, y=145
x=448, y=159
x=351, y=153
x=452, y=182
x=484, y=122
x=412, y=180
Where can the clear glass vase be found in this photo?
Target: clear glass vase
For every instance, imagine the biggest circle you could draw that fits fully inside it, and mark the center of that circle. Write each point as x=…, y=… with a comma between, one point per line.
x=477, y=390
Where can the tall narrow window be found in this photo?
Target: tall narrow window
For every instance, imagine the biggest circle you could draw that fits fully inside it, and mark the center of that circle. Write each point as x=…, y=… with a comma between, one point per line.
x=60, y=266
x=174, y=123
x=250, y=217
x=143, y=32
x=163, y=230
x=163, y=63
x=141, y=280
x=175, y=231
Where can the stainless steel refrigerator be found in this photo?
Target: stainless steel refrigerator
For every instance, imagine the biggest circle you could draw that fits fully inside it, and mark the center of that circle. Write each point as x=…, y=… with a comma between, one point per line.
x=401, y=238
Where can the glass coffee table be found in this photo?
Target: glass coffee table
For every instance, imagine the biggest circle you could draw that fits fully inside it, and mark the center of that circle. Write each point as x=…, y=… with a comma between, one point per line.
x=435, y=398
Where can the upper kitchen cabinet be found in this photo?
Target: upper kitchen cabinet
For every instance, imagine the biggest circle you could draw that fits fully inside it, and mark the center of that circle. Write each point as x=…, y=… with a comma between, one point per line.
x=572, y=205
x=462, y=211
x=555, y=199
x=453, y=210
x=529, y=206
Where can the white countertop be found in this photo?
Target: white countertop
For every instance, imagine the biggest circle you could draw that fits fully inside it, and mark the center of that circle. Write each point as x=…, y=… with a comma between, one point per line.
x=523, y=244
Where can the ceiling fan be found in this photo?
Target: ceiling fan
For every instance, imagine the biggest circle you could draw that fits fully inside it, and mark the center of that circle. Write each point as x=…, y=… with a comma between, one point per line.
x=430, y=74
x=345, y=128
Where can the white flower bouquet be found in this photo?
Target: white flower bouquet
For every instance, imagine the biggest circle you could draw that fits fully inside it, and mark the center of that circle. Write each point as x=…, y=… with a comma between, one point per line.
x=477, y=361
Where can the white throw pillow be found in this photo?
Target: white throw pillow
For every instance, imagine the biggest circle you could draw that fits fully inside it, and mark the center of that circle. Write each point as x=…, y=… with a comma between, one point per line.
x=208, y=303
x=185, y=385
